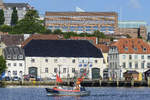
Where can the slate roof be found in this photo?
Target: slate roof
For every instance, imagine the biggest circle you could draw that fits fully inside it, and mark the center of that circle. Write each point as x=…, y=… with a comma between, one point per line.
x=61, y=48
x=13, y=53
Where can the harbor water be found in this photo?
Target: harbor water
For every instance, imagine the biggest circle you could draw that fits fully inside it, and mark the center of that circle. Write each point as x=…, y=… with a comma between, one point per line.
x=102, y=93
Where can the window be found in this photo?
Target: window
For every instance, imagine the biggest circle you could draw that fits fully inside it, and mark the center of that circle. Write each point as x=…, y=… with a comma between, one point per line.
x=15, y=64
x=126, y=48
x=148, y=65
x=46, y=70
x=14, y=72
x=55, y=60
x=20, y=56
x=142, y=56
x=148, y=57
x=73, y=61
x=130, y=56
x=124, y=65
x=9, y=64
x=136, y=65
x=135, y=49
x=32, y=60
x=64, y=70
x=73, y=70
x=8, y=57
x=130, y=64
x=144, y=49
x=55, y=70
x=15, y=57
x=142, y=65
x=135, y=56
x=124, y=56
x=95, y=61
x=20, y=64
x=46, y=60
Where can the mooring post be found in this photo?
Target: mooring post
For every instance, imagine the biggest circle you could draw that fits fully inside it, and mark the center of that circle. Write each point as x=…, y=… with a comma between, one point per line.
x=117, y=82
x=148, y=82
x=132, y=82
x=100, y=82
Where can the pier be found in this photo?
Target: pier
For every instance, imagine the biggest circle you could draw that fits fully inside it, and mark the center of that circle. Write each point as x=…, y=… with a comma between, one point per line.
x=86, y=83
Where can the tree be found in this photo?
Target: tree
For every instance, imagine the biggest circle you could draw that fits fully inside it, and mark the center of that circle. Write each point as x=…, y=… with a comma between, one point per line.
x=14, y=17
x=128, y=36
x=30, y=24
x=5, y=28
x=99, y=34
x=57, y=31
x=2, y=18
x=2, y=65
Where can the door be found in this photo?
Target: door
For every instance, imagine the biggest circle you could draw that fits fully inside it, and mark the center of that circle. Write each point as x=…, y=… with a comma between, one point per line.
x=95, y=73
x=33, y=71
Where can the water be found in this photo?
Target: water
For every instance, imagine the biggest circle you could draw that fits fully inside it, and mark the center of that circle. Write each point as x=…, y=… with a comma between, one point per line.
x=104, y=93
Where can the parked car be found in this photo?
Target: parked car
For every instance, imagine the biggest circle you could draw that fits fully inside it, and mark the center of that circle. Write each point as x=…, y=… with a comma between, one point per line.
x=7, y=78
x=16, y=78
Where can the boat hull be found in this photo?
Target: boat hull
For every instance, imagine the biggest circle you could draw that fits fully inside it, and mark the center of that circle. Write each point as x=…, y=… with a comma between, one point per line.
x=52, y=92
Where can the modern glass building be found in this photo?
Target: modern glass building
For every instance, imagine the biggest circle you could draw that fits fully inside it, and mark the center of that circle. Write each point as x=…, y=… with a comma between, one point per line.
x=80, y=22
x=131, y=24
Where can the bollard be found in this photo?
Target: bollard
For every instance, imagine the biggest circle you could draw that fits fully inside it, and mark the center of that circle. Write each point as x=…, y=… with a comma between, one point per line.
x=148, y=82
x=117, y=83
x=100, y=82
x=132, y=82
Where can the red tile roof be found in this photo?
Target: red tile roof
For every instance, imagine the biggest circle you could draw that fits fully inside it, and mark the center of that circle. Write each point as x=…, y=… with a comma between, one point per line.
x=104, y=48
x=132, y=45
x=42, y=37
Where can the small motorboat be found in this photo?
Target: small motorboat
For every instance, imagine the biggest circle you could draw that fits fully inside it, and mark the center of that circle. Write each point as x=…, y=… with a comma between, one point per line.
x=78, y=90
x=57, y=91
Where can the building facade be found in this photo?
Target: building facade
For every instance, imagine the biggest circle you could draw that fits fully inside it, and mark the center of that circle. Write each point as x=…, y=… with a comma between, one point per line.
x=133, y=28
x=80, y=22
x=128, y=55
x=68, y=58
x=21, y=8
x=14, y=61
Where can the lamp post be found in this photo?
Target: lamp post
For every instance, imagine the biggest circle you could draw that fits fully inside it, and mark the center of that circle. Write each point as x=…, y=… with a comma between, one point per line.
x=59, y=69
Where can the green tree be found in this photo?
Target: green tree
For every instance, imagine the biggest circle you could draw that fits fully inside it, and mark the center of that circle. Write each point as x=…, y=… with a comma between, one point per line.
x=30, y=24
x=57, y=31
x=2, y=65
x=14, y=17
x=5, y=28
x=128, y=36
x=99, y=34
x=2, y=18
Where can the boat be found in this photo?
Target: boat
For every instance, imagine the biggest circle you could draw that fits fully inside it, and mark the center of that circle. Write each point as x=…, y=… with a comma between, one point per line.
x=77, y=90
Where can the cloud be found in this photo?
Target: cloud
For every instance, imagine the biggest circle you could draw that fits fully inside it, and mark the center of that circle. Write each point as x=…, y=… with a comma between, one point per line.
x=79, y=9
x=135, y=3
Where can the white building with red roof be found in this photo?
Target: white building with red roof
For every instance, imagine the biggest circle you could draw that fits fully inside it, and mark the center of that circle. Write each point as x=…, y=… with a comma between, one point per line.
x=128, y=55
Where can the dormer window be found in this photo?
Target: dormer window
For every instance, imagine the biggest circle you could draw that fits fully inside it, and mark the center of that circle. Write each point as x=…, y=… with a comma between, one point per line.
x=8, y=57
x=14, y=56
x=126, y=48
x=144, y=49
x=135, y=49
x=20, y=56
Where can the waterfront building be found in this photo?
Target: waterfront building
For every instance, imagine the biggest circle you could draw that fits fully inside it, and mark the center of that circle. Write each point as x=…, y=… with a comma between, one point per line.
x=104, y=48
x=21, y=8
x=128, y=54
x=15, y=63
x=133, y=28
x=67, y=58
x=82, y=22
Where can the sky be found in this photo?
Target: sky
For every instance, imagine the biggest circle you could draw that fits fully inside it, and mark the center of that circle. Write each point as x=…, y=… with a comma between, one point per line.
x=126, y=9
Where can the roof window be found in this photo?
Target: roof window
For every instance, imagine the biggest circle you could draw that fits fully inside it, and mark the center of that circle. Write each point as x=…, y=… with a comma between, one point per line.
x=126, y=48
